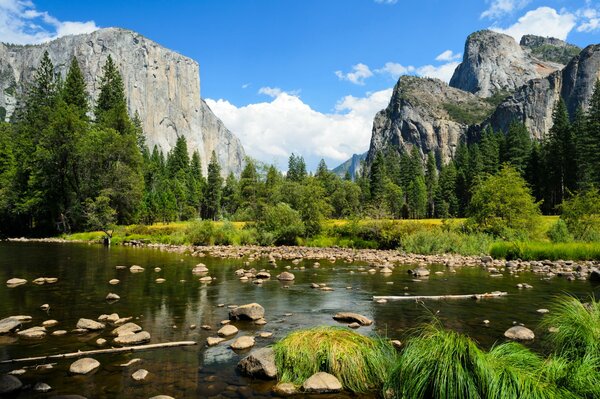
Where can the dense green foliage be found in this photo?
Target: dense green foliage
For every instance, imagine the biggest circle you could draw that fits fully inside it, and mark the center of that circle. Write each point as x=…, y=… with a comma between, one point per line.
x=59, y=154
x=360, y=363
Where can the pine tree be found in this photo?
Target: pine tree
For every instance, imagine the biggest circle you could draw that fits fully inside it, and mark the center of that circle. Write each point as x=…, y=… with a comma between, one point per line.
x=74, y=92
x=296, y=168
x=111, y=107
x=517, y=146
x=377, y=178
x=431, y=180
x=590, y=147
x=579, y=132
x=214, y=188
x=559, y=155
x=178, y=159
x=446, y=200
x=231, y=195
x=417, y=198
x=489, y=147
x=248, y=187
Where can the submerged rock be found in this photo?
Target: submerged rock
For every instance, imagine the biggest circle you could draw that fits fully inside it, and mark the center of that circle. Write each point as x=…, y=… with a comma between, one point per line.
x=286, y=276
x=251, y=311
x=212, y=341
x=322, y=383
x=42, y=387
x=126, y=329
x=140, y=375
x=84, y=366
x=112, y=297
x=136, y=269
x=285, y=389
x=9, y=384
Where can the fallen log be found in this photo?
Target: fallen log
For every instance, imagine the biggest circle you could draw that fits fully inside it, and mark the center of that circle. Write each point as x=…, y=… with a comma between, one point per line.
x=494, y=294
x=101, y=351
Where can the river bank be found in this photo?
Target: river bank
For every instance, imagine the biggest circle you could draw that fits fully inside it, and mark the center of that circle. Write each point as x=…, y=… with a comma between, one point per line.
x=375, y=258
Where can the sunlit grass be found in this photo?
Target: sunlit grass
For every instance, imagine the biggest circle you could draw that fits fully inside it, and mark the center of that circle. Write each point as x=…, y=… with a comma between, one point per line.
x=546, y=250
x=360, y=363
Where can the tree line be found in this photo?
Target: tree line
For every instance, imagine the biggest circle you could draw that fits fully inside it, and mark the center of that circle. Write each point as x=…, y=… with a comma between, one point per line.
x=66, y=166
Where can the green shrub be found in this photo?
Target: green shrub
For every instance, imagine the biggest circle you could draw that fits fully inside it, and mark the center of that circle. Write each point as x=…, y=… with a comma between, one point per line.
x=559, y=232
x=581, y=213
x=201, y=232
x=279, y=224
x=360, y=363
x=438, y=241
x=545, y=250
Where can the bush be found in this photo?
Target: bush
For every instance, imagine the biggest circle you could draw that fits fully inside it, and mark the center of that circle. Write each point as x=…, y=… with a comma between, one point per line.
x=502, y=205
x=360, y=363
x=581, y=214
x=559, y=232
x=201, y=233
x=280, y=224
x=438, y=241
x=546, y=250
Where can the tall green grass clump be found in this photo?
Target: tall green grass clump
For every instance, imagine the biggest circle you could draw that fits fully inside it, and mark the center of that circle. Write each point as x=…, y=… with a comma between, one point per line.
x=442, y=364
x=360, y=363
x=546, y=250
x=576, y=327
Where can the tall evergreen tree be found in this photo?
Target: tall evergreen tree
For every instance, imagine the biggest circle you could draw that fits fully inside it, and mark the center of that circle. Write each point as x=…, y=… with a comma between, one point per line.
x=111, y=107
x=377, y=178
x=560, y=155
x=517, y=146
x=431, y=181
x=590, y=142
x=74, y=92
x=296, y=168
x=214, y=188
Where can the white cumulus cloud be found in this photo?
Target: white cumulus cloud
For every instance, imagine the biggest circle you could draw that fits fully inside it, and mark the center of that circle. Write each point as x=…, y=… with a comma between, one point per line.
x=543, y=21
x=22, y=23
x=448, y=55
x=359, y=73
x=499, y=8
x=271, y=131
x=590, y=20
x=395, y=70
x=443, y=72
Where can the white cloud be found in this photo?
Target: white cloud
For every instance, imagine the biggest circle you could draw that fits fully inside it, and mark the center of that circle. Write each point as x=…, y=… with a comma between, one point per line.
x=271, y=131
x=448, y=55
x=443, y=72
x=590, y=20
x=499, y=8
x=22, y=23
x=386, y=1
x=270, y=91
x=395, y=70
x=245, y=85
x=358, y=76
x=543, y=21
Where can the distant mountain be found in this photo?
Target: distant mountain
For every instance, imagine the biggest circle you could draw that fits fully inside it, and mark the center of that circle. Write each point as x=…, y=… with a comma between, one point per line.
x=498, y=81
x=352, y=165
x=160, y=84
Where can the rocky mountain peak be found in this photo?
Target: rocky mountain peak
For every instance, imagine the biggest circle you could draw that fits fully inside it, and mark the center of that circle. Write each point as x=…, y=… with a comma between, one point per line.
x=161, y=85
x=495, y=64
x=549, y=49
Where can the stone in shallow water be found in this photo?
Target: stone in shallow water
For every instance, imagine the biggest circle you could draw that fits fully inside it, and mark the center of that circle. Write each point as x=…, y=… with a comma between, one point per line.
x=284, y=389
x=9, y=384
x=212, y=341
x=50, y=323
x=14, y=282
x=162, y=397
x=353, y=317
x=133, y=339
x=251, y=311
x=126, y=329
x=112, y=297
x=243, y=342
x=33, y=333
x=136, y=269
x=58, y=333
x=259, y=363
x=322, y=383
x=42, y=387
x=286, y=276
x=519, y=333
x=140, y=375
x=89, y=324
x=227, y=330
x=114, y=281
x=84, y=366
x=9, y=324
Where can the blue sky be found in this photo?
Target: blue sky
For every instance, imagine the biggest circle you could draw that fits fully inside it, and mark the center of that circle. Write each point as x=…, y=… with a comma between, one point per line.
x=306, y=76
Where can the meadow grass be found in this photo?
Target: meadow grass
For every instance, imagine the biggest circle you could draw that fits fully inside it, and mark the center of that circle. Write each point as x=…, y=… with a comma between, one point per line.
x=360, y=363
x=545, y=250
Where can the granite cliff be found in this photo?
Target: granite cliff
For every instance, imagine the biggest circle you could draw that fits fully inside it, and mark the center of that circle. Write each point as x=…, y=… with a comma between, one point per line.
x=161, y=85
x=499, y=81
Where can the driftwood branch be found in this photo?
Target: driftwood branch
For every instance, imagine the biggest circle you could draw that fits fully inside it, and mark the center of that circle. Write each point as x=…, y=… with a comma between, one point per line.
x=101, y=351
x=494, y=294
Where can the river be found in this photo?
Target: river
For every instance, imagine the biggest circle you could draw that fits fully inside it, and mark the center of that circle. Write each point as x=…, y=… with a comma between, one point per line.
x=168, y=310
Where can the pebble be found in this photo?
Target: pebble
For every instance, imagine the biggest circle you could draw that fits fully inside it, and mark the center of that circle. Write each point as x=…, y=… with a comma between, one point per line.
x=140, y=375
x=42, y=387
x=114, y=281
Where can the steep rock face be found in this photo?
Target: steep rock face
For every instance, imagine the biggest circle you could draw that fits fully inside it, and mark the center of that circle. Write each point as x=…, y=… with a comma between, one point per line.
x=426, y=113
x=532, y=104
x=352, y=166
x=161, y=85
x=493, y=63
x=549, y=49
